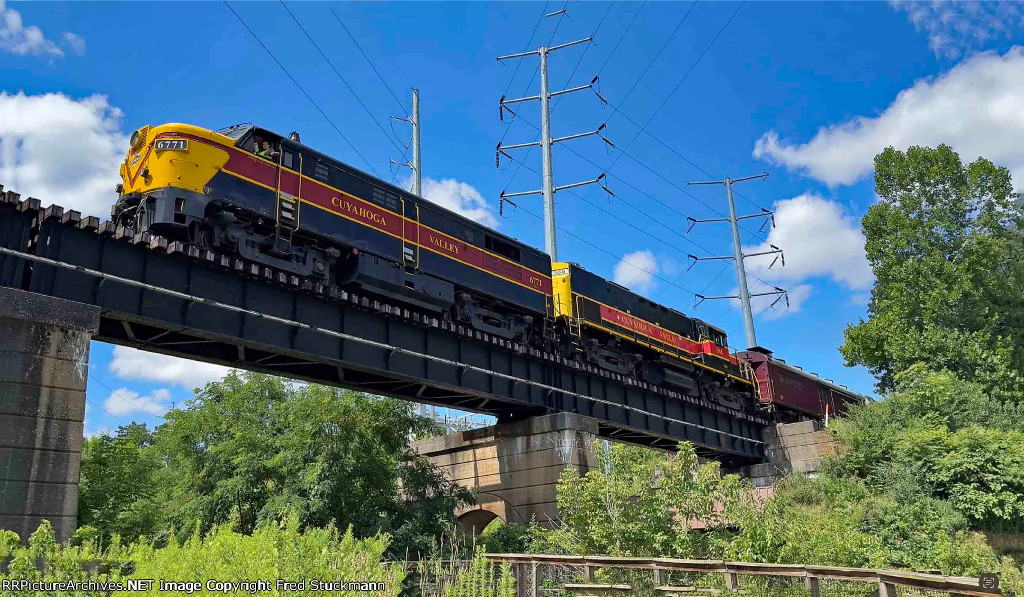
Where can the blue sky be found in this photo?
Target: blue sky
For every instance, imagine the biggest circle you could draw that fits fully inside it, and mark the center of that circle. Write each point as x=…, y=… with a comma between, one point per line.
x=807, y=91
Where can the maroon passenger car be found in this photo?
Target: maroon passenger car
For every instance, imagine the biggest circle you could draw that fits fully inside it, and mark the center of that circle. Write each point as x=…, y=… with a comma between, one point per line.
x=793, y=393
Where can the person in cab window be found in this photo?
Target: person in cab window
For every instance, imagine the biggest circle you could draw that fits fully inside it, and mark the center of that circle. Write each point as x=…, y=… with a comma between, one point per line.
x=267, y=151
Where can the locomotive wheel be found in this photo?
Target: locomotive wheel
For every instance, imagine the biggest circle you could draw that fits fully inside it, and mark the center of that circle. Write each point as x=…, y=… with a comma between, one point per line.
x=202, y=236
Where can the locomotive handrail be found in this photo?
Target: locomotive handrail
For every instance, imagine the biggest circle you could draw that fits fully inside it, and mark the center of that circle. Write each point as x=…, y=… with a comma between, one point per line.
x=277, y=191
x=298, y=193
x=405, y=221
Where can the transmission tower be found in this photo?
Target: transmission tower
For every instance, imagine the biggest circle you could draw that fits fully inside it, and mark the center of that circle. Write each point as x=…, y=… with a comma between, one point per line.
x=417, y=164
x=549, y=188
x=739, y=256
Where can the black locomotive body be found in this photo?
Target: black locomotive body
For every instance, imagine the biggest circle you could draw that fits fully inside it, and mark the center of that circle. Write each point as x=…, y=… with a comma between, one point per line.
x=300, y=211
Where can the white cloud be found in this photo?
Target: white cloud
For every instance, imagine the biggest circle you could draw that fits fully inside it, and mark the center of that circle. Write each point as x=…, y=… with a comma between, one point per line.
x=461, y=198
x=17, y=38
x=636, y=271
x=129, y=363
x=958, y=27
x=123, y=402
x=974, y=107
x=818, y=239
x=75, y=42
x=859, y=299
x=62, y=150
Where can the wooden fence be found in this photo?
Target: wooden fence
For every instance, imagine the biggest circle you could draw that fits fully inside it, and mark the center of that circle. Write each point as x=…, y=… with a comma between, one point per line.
x=537, y=573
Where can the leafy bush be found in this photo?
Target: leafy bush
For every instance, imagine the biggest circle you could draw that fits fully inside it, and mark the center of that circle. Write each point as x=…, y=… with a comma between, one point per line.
x=481, y=578
x=939, y=437
x=507, y=537
x=645, y=504
x=271, y=552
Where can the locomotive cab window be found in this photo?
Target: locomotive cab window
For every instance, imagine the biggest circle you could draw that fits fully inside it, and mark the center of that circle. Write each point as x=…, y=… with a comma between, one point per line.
x=501, y=247
x=320, y=170
x=288, y=159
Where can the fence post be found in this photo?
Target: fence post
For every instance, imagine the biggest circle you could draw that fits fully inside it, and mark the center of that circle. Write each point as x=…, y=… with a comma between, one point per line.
x=535, y=581
x=656, y=575
x=811, y=582
x=732, y=581
x=522, y=588
x=588, y=571
x=886, y=589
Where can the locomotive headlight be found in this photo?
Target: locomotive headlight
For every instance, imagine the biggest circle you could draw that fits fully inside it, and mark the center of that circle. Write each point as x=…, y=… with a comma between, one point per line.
x=138, y=138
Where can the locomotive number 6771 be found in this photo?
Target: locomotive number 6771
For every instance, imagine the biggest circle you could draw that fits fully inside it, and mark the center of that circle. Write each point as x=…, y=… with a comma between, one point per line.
x=274, y=201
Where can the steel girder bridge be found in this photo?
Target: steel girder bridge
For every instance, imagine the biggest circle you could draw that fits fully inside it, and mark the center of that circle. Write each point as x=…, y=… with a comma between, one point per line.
x=175, y=299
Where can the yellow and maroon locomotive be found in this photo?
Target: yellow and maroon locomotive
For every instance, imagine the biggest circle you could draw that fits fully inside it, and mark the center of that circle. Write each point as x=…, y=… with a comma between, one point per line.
x=273, y=201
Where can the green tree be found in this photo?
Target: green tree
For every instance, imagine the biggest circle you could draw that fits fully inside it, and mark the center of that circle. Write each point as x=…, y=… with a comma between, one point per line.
x=117, y=483
x=946, y=244
x=253, y=448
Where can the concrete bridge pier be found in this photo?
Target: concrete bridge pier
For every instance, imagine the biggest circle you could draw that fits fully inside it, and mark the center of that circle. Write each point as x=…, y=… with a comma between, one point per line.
x=514, y=467
x=44, y=365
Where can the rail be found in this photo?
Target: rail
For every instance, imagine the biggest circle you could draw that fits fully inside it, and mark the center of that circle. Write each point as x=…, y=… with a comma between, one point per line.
x=536, y=573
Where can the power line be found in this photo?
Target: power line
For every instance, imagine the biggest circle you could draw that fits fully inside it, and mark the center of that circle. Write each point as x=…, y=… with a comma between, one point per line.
x=617, y=258
x=308, y=97
x=643, y=128
x=559, y=98
x=672, y=282
x=100, y=406
x=519, y=63
x=405, y=152
x=653, y=198
x=583, y=54
x=370, y=62
x=534, y=77
x=623, y=221
x=126, y=400
x=347, y=86
x=646, y=194
x=671, y=149
x=621, y=37
x=684, y=77
x=736, y=328
x=655, y=58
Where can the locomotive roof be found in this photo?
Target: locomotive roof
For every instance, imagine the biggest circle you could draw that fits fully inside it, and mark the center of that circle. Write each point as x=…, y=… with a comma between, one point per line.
x=710, y=325
x=233, y=132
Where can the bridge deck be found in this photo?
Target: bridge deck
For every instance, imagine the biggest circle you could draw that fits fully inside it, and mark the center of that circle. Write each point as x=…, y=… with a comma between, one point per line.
x=174, y=299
